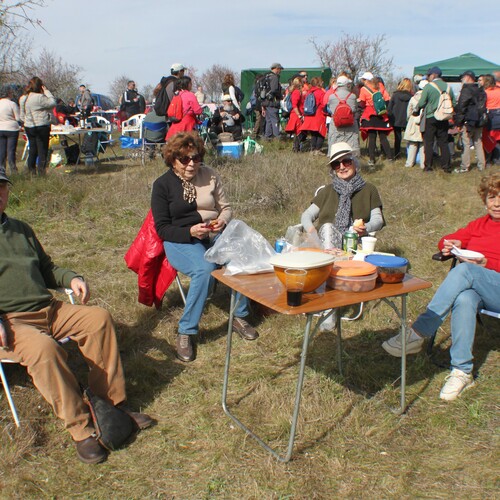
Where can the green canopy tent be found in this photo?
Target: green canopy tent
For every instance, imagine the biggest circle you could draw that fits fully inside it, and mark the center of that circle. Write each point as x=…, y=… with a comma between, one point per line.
x=454, y=67
x=248, y=77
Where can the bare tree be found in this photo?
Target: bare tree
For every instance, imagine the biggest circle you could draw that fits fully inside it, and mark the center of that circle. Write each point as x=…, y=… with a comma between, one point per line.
x=15, y=14
x=14, y=46
x=117, y=87
x=147, y=92
x=61, y=78
x=355, y=54
x=211, y=80
x=14, y=51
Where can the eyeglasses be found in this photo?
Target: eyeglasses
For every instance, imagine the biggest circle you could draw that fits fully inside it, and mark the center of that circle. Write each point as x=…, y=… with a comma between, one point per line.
x=186, y=160
x=347, y=162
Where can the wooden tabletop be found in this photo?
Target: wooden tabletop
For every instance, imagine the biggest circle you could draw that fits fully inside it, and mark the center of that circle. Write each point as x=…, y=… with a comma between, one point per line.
x=267, y=289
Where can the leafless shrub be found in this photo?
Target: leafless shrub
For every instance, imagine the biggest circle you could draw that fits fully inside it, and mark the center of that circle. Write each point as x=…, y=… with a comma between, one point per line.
x=355, y=53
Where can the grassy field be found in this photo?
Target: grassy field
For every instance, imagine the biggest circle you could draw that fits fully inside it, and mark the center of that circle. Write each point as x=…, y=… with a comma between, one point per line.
x=349, y=443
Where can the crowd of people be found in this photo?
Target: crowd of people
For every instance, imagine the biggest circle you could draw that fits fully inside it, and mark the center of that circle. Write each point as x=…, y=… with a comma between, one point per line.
x=189, y=210
x=346, y=111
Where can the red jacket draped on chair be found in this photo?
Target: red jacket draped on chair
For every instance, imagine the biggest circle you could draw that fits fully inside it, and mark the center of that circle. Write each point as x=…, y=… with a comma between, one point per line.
x=146, y=257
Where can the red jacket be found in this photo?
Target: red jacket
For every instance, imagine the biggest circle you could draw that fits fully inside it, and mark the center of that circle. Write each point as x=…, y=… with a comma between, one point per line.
x=146, y=257
x=481, y=235
x=317, y=122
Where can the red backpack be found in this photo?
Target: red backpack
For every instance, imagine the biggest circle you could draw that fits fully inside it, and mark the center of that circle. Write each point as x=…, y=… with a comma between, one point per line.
x=343, y=115
x=174, y=111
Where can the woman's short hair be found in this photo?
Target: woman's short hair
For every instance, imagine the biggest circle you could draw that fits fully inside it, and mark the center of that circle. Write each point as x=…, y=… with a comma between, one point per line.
x=490, y=184
x=34, y=85
x=228, y=80
x=183, y=83
x=181, y=144
x=405, y=85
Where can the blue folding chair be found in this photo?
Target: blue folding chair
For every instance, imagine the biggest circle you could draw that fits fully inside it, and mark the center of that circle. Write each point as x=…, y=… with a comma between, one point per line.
x=155, y=127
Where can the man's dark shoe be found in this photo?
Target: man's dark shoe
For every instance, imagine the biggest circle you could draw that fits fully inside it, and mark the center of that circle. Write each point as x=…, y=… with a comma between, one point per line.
x=244, y=329
x=142, y=420
x=89, y=451
x=185, y=349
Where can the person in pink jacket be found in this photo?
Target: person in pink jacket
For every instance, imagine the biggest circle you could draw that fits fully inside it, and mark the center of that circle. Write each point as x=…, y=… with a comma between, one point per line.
x=190, y=108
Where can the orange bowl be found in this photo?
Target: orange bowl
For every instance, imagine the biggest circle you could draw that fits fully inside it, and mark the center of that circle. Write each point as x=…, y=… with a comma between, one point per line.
x=318, y=266
x=314, y=277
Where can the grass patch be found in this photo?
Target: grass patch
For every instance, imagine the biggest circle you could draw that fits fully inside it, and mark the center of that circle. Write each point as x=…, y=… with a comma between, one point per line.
x=349, y=444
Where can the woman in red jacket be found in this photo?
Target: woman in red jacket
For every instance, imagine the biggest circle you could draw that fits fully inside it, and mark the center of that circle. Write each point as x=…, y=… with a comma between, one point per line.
x=297, y=113
x=469, y=287
x=190, y=107
x=372, y=123
x=315, y=124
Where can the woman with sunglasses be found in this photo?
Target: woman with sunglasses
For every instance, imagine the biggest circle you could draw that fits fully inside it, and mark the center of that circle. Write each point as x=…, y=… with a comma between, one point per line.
x=349, y=198
x=190, y=209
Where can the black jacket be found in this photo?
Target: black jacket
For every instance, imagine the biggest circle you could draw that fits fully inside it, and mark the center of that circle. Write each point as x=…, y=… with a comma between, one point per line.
x=397, y=108
x=470, y=106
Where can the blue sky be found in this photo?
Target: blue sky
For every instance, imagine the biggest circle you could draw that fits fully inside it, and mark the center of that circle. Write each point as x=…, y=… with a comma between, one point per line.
x=110, y=38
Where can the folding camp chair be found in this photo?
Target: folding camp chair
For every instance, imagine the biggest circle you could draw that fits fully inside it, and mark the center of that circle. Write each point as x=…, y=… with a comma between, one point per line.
x=103, y=143
x=147, y=145
x=133, y=124
x=3, y=378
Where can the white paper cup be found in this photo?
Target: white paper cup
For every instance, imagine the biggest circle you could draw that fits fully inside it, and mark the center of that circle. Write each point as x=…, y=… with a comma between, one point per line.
x=368, y=244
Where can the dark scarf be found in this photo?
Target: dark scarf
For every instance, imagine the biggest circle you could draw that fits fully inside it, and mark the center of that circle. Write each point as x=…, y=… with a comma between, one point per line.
x=345, y=190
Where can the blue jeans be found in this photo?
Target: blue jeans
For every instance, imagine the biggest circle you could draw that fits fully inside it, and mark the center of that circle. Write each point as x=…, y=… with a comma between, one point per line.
x=188, y=258
x=8, y=145
x=466, y=289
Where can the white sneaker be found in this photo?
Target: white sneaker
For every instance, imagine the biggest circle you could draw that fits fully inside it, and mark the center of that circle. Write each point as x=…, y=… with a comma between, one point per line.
x=414, y=343
x=456, y=382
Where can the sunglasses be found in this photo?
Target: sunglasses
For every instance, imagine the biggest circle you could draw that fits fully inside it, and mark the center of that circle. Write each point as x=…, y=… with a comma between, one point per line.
x=186, y=160
x=347, y=162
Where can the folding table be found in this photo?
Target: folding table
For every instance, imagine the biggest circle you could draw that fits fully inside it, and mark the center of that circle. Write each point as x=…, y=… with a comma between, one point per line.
x=267, y=290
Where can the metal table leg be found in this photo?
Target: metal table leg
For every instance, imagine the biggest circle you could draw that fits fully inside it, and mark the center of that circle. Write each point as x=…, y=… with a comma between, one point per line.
x=298, y=392
x=402, y=316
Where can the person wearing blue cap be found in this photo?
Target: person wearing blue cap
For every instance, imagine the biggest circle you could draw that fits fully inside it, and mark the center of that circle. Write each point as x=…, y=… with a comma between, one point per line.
x=434, y=128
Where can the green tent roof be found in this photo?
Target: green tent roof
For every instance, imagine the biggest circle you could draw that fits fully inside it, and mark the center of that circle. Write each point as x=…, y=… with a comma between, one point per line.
x=454, y=67
x=248, y=77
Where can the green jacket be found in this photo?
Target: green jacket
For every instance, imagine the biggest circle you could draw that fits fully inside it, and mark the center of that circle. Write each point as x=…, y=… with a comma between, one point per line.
x=430, y=97
x=26, y=271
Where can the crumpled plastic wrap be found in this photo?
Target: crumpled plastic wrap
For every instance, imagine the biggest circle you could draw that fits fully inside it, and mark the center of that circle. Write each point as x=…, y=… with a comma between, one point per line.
x=242, y=250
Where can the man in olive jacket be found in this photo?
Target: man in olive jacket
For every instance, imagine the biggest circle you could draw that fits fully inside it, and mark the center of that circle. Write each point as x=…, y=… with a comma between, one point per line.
x=434, y=129
x=32, y=322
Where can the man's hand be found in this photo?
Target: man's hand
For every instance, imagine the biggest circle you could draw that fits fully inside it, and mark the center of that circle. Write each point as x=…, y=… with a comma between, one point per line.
x=80, y=289
x=4, y=338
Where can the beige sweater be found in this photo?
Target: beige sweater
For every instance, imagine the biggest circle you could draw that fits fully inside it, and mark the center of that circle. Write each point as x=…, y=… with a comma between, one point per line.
x=36, y=108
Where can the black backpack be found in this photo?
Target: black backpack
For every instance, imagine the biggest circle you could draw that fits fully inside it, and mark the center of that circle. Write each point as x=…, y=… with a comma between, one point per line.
x=263, y=90
x=162, y=101
x=476, y=114
x=239, y=94
x=90, y=143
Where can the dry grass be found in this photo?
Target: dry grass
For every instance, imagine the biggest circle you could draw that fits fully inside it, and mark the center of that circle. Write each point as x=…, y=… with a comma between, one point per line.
x=349, y=444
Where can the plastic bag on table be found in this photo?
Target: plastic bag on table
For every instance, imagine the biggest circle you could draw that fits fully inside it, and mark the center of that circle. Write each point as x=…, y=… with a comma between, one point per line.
x=242, y=250
x=298, y=238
